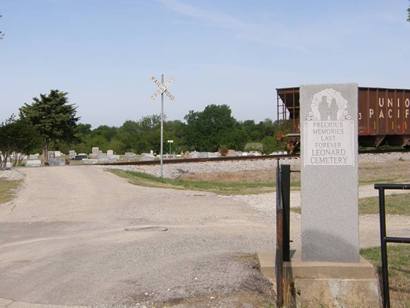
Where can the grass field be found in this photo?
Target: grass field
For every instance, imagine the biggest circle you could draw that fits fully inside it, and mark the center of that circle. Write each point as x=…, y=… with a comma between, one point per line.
x=399, y=271
x=262, y=176
x=395, y=205
x=260, y=181
x=397, y=171
x=220, y=187
x=398, y=204
x=7, y=190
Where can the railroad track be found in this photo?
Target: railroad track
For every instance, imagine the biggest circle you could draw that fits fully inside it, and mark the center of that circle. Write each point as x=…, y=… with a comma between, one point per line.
x=201, y=160
x=233, y=158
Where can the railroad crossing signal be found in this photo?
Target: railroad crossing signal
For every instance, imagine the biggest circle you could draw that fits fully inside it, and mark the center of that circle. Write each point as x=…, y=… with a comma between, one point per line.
x=163, y=88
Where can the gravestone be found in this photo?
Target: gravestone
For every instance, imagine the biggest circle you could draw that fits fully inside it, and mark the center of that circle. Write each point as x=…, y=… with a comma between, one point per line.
x=95, y=152
x=33, y=163
x=147, y=156
x=33, y=156
x=202, y=154
x=329, y=173
x=130, y=156
x=72, y=154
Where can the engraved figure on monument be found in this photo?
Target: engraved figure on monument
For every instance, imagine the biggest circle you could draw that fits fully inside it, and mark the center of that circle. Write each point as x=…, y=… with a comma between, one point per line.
x=324, y=104
x=327, y=125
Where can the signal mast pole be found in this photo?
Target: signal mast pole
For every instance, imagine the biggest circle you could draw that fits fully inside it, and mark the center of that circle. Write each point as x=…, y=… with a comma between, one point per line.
x=163, y=90
x=162, y=128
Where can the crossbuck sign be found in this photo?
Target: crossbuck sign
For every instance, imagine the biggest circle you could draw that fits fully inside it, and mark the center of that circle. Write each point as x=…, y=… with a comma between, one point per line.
x=163, y=88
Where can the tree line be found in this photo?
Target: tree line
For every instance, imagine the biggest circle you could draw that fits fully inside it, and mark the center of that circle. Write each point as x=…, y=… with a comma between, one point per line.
x=50, y=121
x=210, y=130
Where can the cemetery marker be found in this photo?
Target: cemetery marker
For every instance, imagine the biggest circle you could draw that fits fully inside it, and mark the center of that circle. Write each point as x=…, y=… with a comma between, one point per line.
x=329, y=192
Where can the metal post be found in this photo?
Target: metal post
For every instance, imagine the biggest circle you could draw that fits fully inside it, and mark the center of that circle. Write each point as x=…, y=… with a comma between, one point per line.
x=163, y=90
x=384, y=239
x=285, y=190
x=162, y=128
x=279, y=239
x=383, y=244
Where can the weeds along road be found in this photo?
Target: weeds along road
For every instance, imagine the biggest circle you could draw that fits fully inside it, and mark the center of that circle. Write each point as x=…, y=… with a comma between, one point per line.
x=82, y=236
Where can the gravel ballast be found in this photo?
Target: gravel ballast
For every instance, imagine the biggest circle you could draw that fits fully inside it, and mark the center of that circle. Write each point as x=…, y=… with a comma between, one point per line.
x=173, y=171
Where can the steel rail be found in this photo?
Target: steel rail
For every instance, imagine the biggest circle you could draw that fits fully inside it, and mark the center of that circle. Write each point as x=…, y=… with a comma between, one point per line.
x=232, y=158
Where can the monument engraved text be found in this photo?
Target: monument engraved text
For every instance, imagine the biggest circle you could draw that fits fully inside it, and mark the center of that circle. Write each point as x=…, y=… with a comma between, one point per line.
x=328, y=131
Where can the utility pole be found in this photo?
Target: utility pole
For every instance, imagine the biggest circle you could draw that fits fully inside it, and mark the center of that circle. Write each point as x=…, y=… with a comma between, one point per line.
x=162, y=89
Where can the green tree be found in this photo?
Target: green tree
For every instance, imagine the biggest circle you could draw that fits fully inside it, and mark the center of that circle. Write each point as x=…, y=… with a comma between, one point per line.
x=210, y=129
x=17, y=136
x=139, y=136
x=251, y=130
x=102, y=136
x=174, y=130
x=107, y=132
x=408, y=14
x=271, y=144
x=83, y=130
x=1, y=32
x=53, y=118
x=131, y=135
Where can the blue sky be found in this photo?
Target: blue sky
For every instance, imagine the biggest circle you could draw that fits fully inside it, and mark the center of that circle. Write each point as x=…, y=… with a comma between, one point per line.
x=103, y=52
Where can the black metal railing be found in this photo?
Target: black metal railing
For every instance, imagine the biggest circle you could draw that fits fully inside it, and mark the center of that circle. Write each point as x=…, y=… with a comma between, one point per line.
x=384, y=239
x=282, y=227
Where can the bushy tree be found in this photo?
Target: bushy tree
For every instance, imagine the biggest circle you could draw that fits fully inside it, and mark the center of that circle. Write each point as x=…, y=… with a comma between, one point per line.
x=175, y=130
x=271, y=144
x=101, y=137
x=140, y=136
x=1, y=32
x=17, y=136
x=408, y=14
x=211, y=128
x=251, y=130
x=53, y=118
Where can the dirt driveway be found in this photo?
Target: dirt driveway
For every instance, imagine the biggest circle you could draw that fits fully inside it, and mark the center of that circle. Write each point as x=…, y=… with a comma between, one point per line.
x=82, y=236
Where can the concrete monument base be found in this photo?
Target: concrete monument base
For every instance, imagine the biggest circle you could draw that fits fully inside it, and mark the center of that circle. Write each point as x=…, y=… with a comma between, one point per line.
x=325, y=284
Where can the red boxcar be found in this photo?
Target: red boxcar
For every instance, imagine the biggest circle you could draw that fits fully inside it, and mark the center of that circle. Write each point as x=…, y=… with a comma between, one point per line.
x=384, y=114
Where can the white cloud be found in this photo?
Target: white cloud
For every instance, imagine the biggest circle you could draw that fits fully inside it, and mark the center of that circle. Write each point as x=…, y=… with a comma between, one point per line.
x=211, y=17
x=274, y=35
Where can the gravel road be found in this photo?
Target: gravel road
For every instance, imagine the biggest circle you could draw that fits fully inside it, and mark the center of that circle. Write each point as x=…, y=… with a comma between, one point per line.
x=82, y=236
x=368, y=224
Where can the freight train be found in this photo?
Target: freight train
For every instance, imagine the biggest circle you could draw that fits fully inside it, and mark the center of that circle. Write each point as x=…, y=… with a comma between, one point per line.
x=384, y=116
